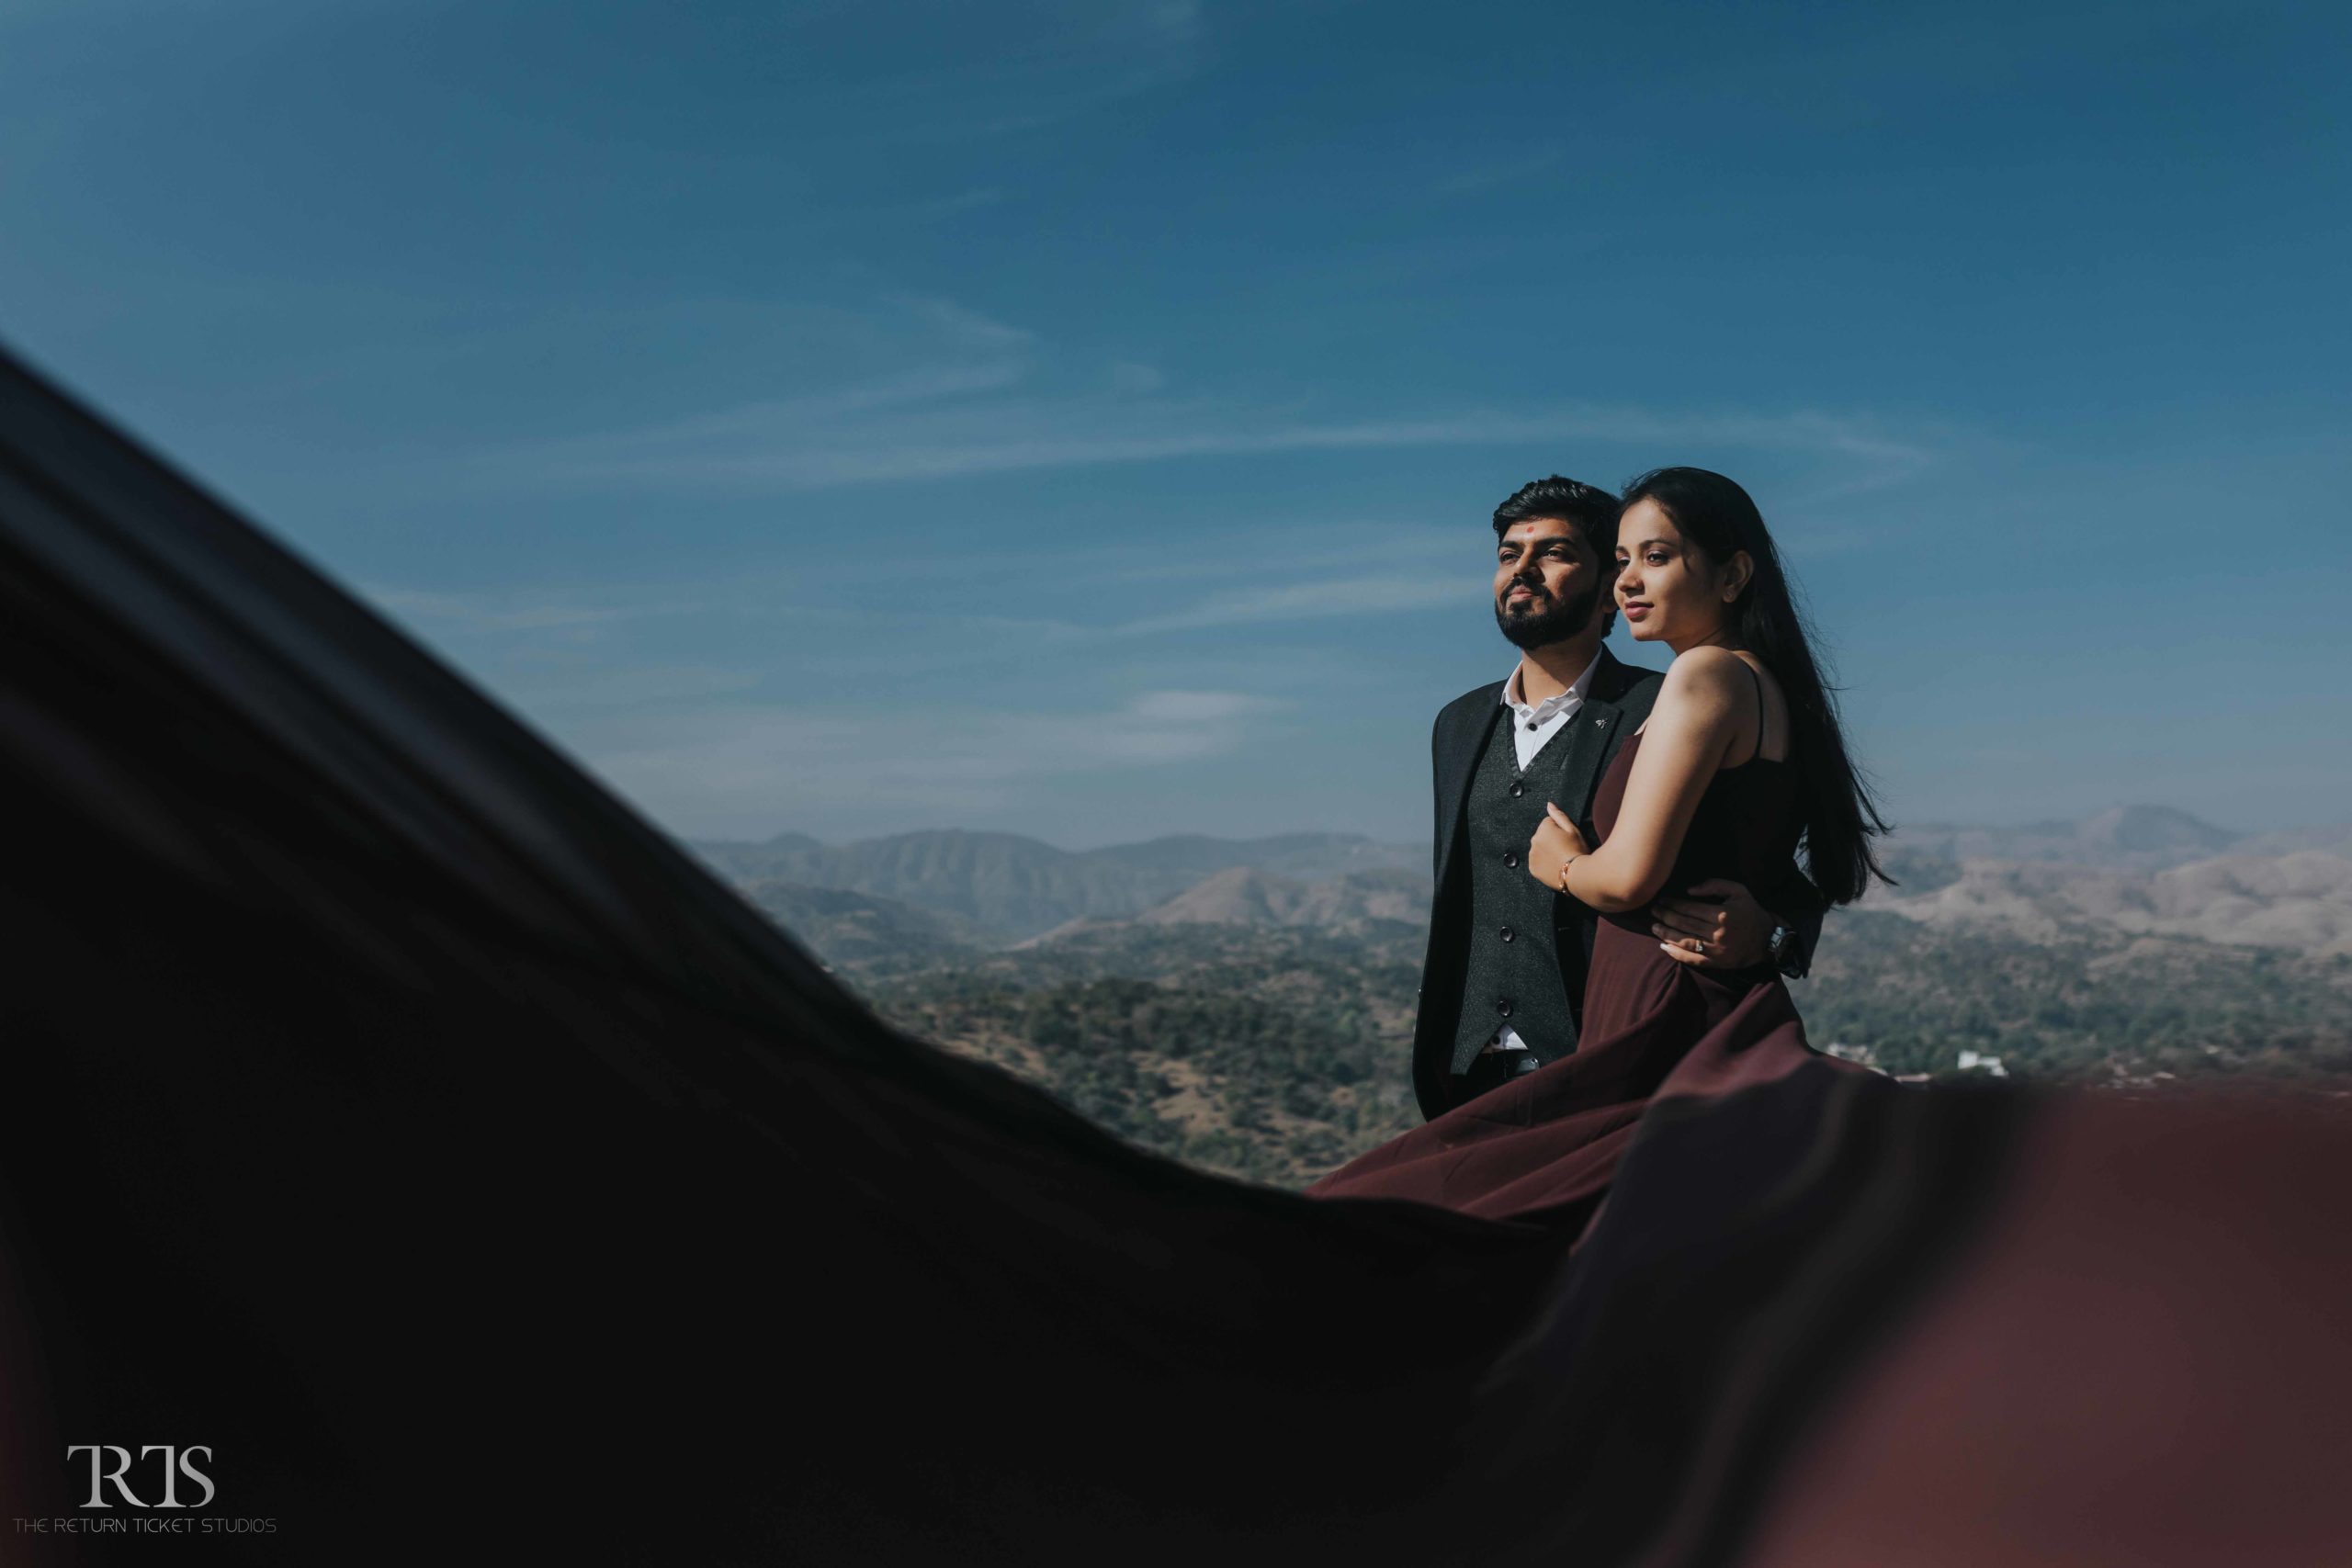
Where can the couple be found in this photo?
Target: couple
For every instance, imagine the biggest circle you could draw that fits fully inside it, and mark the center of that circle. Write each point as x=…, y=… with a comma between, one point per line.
x=1617, y=889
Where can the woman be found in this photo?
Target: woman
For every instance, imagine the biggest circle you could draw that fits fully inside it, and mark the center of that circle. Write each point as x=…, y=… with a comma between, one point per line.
x=1740, y=758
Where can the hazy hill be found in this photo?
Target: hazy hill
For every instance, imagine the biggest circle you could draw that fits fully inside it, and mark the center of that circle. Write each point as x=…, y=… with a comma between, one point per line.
x=1007, y=884
x=2336, y=840
x=863, y=934
x=1251, y=897
x=1011, y=888
x=2132, y=870
x=2133, y=838
x=2139, y=869
x=2300, y=901
x=1310, y=857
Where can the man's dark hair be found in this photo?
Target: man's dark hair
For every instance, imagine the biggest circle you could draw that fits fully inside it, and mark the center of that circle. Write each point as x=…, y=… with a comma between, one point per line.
x=1593, y=510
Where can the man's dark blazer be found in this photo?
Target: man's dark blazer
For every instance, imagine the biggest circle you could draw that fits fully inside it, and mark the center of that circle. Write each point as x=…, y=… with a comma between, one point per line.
x=1618, y=701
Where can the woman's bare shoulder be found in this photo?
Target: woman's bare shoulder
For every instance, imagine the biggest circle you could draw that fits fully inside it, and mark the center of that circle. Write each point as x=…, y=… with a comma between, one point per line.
x=1705, y=675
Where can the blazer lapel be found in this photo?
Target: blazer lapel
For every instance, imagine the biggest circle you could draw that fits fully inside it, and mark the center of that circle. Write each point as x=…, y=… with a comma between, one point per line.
x=1588, y=743
x=1590, y=733
x=1466, y=741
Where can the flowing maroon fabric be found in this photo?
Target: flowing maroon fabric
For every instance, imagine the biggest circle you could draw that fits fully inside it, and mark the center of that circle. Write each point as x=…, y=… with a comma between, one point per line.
x=1543, y=1148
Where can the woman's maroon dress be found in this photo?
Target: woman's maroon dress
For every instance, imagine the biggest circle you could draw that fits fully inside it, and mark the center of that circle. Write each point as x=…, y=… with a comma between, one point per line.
x=1544, y=1147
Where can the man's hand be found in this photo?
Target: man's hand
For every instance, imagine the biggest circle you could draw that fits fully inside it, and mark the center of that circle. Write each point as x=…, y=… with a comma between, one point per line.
x=1715, y=925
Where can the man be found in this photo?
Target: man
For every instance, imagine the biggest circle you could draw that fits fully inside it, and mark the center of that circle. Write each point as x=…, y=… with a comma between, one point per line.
x=1502, y=987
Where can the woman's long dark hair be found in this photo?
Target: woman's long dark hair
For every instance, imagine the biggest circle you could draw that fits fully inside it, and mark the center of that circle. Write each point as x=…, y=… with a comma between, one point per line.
x=1721, y=519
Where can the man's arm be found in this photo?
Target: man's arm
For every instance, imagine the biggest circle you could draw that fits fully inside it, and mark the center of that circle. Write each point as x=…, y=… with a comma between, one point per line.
x=1723, y=925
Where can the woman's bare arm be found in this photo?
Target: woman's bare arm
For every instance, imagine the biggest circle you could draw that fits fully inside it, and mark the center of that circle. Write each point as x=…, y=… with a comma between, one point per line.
x=1702, y=711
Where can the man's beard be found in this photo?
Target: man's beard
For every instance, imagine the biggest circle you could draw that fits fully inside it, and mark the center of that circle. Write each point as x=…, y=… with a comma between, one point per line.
x=1544, y=627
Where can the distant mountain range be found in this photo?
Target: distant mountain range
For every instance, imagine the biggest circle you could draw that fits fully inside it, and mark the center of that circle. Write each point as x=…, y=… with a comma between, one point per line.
x=1354, y=903
x=2134, y=870
x=2144, y=870
x=1006, y=888
x=2129, y=838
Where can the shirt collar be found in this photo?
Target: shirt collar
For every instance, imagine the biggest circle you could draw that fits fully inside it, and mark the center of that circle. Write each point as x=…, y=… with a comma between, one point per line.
x=1513, y=698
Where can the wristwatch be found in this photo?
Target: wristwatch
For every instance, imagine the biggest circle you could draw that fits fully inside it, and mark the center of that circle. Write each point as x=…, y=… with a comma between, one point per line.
x=1782, y=945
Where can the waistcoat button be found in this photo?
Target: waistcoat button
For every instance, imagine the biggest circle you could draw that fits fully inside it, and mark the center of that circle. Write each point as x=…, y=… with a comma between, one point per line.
x=1502, y=1006
x=1510, y=857
x=1517, y=790
x=1508, y=933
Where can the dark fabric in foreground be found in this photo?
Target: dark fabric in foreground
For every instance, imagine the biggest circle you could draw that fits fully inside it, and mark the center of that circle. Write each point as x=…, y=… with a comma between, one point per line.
x=390, y=1111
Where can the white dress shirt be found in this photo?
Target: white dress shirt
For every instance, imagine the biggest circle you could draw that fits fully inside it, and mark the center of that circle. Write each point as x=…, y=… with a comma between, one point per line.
x=1530, y=730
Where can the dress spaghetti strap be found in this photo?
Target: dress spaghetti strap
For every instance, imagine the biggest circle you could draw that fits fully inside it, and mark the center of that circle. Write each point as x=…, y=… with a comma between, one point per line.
x=1757, y=750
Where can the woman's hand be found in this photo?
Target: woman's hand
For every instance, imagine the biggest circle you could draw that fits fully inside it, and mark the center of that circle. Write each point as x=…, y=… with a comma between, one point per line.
x=1554, y=842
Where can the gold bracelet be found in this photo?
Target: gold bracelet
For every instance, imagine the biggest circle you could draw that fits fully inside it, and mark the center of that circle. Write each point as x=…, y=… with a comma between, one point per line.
x=1563, y=872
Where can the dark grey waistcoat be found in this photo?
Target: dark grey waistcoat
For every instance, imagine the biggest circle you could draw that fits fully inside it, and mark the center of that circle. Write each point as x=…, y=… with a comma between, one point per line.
x=1512, y=974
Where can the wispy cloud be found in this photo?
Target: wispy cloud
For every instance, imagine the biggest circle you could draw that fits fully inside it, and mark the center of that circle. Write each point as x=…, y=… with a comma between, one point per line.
x=1316, y=599
x=525, y=611
x=1134, y=380
x=735, y=767
x=812, y=444
x=610, y=689
x=751, y=425
x=1508, y=170
x=963, y=327
x=956, y=392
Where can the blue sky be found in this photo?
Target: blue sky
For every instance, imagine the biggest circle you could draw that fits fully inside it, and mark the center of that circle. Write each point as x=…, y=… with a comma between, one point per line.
x=1082, y=419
